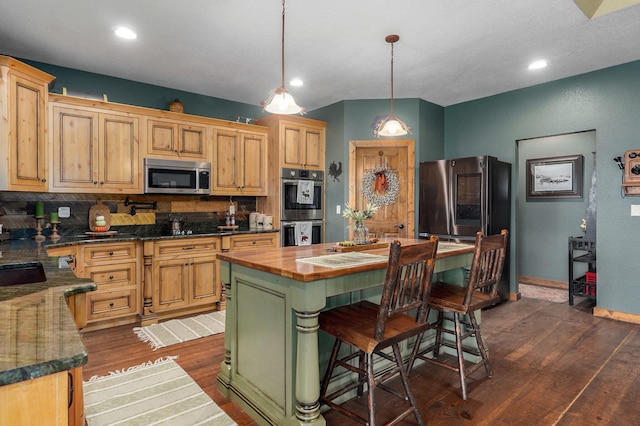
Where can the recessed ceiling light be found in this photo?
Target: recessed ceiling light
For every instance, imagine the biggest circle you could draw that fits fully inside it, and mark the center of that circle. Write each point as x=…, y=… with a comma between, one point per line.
x=296, y=82
x=536, y=65
x=126, y=33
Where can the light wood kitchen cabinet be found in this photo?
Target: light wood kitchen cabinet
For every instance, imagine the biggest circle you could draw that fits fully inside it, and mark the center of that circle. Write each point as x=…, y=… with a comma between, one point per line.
x=94, y=150
x=115, y=268
x=240, y=163
x=249, y=241
x=299, y=142
x=185, y=274
x=174, y=139
x=23, y=126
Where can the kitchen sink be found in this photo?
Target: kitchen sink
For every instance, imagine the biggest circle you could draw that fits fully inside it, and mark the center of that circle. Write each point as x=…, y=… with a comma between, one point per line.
x=21, y=273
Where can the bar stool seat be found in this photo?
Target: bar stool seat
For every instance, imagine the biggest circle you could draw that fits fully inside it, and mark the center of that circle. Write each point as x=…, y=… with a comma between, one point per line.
x=371, y=329
x=480, y=291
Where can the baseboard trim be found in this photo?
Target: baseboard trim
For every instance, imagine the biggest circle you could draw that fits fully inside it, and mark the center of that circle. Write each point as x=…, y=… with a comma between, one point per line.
x=543, y=282
x=619, y=316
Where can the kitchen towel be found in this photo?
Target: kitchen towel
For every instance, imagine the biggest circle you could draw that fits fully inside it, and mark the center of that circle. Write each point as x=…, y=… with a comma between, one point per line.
x=303, y=233
x=305, y=192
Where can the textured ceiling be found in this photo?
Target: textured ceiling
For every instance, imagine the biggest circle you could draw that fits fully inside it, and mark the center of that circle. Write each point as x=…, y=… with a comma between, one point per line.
x=449, y=51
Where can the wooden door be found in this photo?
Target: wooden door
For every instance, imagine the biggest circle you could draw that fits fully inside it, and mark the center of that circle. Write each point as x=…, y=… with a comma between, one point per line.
x=225, y=171
x=119, y=157
x=253, y=164
x=313, y=148
x=192, y=141
x=28, y=164
x=171, y=279
x=75, y=160
x=203, y=281
x=291, y=145
x=395, y=161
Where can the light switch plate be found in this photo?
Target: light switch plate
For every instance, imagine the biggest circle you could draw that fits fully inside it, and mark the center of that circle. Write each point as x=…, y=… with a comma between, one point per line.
x=635, y=209
x=338, y=209
x=64, y=211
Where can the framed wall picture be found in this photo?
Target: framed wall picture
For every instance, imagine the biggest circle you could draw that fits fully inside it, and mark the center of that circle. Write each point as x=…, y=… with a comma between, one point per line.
x=554, y=177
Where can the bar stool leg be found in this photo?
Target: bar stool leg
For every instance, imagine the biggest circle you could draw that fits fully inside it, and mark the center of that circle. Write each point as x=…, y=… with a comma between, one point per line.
x=458, y=326
x=480, y=342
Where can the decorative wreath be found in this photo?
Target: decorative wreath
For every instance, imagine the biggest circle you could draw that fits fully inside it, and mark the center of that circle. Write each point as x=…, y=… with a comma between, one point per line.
x=381, y=186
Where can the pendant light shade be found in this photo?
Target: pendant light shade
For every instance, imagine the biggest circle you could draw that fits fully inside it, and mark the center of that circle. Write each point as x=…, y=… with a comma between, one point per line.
x=391, y=125
x=280, y=101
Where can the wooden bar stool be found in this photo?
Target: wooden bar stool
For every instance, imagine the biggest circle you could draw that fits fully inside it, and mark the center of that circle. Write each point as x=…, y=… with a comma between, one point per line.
x=371, y=328
x=480, y=291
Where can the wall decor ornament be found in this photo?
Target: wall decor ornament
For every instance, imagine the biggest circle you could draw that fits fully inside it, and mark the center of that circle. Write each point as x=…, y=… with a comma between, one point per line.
x=381, y=186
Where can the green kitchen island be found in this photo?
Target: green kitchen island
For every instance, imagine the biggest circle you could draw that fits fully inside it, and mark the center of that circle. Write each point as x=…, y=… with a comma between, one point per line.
x=273, y=351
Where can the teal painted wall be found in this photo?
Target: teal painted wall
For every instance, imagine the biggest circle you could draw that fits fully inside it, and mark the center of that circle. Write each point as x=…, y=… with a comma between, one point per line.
x=352, y=120
x=145, y=95
x=607, y=101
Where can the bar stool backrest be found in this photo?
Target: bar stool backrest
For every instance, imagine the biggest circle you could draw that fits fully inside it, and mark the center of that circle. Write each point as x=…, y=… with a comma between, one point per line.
x=487, y=265
x=408, y=282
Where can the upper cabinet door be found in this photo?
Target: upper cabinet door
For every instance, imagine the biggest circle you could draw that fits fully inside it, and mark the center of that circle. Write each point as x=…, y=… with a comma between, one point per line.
x=240, y=163
x=23, y=125
x=173, y=139
x=94, y=151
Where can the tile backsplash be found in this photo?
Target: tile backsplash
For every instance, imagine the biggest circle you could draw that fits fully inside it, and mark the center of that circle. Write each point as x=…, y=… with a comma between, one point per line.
x=17, y=210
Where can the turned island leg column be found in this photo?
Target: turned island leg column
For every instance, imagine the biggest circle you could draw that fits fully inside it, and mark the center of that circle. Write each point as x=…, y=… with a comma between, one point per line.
x=307, y=369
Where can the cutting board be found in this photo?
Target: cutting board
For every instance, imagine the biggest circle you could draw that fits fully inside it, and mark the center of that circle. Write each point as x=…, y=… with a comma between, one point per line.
x=361, y=247
x=99, y=209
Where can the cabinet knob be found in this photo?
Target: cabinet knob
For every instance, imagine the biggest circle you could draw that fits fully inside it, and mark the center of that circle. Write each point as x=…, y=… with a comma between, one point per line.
x=110, y=277
x=111, y=305
x=110, y=253
x=43, y=180
x=95, y=182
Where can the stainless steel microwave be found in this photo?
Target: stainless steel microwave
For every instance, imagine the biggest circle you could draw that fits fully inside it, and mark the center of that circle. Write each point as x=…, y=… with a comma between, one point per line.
x=176, y=177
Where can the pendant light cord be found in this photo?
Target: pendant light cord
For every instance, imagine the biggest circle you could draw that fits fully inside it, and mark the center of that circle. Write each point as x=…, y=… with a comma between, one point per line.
x=392, y=109
x=282, y=50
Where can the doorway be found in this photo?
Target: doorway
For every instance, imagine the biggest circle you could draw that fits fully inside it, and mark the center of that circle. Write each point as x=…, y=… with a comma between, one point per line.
x=374, y=163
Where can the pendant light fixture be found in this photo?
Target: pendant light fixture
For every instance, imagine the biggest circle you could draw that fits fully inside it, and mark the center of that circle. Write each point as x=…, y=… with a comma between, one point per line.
x=391, y=125
x=280, y=101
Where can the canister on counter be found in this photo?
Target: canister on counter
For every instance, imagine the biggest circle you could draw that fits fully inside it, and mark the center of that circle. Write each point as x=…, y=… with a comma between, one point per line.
x=268, y=222
x=253, y=220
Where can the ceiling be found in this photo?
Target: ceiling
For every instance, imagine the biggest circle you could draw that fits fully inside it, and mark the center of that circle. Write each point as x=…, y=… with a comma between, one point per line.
x=449, y=51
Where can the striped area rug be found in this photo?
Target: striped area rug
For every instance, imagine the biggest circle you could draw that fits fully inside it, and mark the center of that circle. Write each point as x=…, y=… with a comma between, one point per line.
x=182, y=330
x=155, y=393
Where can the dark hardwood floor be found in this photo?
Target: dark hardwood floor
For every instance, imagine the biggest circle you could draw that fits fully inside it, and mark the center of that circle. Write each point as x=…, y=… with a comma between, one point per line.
x=552, y=365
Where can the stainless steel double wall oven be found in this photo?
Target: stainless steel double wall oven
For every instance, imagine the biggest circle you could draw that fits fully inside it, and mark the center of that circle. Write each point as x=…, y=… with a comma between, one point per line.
x=292, y=211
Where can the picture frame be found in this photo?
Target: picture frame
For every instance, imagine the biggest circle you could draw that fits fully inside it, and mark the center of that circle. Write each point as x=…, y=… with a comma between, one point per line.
x=554, y=177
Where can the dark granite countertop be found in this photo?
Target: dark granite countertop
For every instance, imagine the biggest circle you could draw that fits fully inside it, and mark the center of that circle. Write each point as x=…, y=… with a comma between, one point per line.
x=38, y=335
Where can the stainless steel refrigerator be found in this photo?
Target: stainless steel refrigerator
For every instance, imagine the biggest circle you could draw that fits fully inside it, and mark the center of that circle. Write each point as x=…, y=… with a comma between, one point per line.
x=459, y=197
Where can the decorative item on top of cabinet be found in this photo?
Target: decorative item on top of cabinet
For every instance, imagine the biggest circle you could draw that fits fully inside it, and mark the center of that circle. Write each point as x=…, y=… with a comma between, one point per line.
x=631, y=183
x=240, y=160
x=95, y=147
x=23, y=123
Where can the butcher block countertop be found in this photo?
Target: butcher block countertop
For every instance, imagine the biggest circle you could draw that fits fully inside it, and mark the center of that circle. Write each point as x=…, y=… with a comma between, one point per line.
x=284, y=262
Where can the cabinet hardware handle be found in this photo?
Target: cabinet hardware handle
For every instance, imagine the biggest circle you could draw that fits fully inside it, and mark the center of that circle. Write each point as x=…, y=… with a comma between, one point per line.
x=43, y=180
x=95, y=182
x=102, y=183
x=110, y=277
x=189, y=248
x=110, y=253
x=72, y=389
x=111, y=305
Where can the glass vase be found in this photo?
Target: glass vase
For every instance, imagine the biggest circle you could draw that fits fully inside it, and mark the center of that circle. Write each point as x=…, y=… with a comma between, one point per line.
x=360, y=233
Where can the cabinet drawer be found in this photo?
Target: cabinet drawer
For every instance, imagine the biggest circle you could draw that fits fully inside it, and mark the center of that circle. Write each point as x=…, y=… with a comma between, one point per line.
x=113, y=276
x=111, y=304
x=239, y=242
x=109, y=252
x=187, y=247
